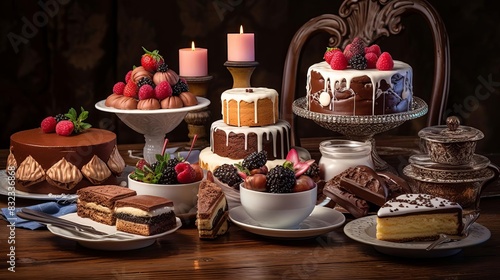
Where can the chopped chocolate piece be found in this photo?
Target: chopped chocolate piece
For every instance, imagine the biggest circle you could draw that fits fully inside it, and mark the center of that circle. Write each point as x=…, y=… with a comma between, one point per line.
x=362, y=192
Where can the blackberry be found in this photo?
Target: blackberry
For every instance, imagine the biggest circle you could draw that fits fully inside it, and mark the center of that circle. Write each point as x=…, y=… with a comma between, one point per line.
x=162, y=68
x=180, y=87
x=358, y=62
x=255, y=160
x=168, y=176
x=173, y=162
x=312, y=171
x=145, y=81
x=280, y=180
x=228, y=174
x=61, y=117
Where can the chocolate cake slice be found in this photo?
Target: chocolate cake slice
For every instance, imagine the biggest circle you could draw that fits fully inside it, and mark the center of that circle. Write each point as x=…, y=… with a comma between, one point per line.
x=212, y=216
x=98, y=202
x=145, y=215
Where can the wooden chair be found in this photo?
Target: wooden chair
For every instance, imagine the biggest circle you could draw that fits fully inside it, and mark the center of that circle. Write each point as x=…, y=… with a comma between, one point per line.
x=369, y=20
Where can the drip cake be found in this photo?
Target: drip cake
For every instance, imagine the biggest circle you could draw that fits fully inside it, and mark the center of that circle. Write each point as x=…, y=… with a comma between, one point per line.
x=63, y=161
x=418, y=217
x=359, y=80
x=250, y=124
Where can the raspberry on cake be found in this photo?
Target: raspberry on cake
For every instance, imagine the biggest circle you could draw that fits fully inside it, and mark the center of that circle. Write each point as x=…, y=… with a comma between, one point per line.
x=212, y=216
x=98, y=202
x=145, y=215
x=418, y=217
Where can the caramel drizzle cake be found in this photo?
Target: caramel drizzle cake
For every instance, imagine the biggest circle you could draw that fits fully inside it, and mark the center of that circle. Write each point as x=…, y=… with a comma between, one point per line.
x=250, y=106
x=145, y=215
x=418, y=217
x=98, y=202
x=212, y=216
x=359, y=92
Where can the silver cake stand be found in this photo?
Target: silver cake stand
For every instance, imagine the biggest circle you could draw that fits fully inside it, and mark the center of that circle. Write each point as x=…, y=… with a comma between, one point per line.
x=154, y=124
x=361, y=128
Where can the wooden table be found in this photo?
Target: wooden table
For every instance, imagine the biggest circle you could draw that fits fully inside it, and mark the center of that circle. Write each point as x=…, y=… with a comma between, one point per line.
x=240, y=254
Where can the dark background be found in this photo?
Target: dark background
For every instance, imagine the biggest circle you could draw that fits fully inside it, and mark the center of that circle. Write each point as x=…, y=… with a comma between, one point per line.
x=74, y=58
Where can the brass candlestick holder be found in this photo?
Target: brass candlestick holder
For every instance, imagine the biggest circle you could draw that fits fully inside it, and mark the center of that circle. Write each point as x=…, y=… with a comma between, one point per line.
x=241, y=72
x=197, y=120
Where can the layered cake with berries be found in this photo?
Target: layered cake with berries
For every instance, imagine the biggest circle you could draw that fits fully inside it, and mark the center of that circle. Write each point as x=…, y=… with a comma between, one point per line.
x=98, y=202
x=418, y=217
x=359, y=80
x=212, y=217
x=249, y=124
x=151, y=86
x=145, y=215
x=64, y=155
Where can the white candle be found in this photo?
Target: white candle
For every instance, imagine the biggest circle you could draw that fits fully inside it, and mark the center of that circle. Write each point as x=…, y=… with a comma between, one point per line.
x=240, y=46
x=193, y=62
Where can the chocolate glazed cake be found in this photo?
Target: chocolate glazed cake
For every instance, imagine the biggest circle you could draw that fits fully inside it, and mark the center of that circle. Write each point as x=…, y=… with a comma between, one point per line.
x=50, y=163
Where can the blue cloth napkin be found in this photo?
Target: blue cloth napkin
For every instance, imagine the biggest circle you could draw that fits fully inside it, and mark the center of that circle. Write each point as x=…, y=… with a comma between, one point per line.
x=52, y=208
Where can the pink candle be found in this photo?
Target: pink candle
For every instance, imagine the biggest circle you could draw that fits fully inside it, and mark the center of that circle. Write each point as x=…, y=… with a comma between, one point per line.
x=240, y=46
x=193, y=62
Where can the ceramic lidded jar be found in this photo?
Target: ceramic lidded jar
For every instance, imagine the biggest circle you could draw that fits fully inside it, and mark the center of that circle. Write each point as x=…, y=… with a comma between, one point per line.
x=460, y=183
x=452, y=144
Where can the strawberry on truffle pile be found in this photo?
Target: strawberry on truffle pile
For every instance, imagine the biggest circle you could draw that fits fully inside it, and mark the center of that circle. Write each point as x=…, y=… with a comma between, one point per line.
x=151, y=86
x=357, y=55
x=293, y=175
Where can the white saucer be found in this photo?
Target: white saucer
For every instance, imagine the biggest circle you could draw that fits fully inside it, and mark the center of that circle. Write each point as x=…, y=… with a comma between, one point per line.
x=321, y=220
x=364, y=231
x=108, y=243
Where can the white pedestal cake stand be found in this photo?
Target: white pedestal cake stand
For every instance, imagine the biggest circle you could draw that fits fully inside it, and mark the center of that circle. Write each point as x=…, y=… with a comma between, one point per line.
x=361, y=128
x=154, y=124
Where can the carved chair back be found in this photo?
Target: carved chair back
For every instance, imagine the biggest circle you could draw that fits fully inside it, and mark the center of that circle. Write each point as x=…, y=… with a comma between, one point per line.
x=369, y=20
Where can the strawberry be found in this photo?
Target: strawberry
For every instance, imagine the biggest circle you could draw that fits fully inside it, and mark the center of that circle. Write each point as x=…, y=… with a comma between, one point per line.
x=371, y=60
x=130, y=89
x=385, y=62
x=329, y=53
x=65, y=128
x=339, y=61
x=48, y=124
x=146, y=92
x=373, y=49
x=185, y=173
x=163, y=90
x=118, y=88
x=151, y=60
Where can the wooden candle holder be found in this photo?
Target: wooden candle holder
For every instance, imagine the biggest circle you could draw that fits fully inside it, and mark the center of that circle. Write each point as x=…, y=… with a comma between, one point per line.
x=241, y=72
x=197, y=120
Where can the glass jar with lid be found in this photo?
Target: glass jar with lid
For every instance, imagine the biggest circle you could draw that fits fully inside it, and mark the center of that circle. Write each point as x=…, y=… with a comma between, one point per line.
x=339, y=154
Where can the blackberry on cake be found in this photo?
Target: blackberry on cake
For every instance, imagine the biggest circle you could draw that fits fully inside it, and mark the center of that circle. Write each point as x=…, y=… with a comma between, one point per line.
x=255, y=160
x=228, y=174
x=145, y=215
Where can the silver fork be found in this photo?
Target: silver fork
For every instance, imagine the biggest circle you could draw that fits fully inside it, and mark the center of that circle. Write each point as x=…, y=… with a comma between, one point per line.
x=443, y=238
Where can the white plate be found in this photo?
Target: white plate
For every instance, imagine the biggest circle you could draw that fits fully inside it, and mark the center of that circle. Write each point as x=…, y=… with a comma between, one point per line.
x=4, y=188
x=202, y=103
x=364, y=231
x=321, y=220
x=108, y=243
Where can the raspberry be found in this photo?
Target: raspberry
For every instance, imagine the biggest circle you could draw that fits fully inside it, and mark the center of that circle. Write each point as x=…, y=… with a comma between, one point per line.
x=146, y=92
x=339, y=61
x=130, y=89
x=385, y=62
x=357, y=46
x=127, y=76
x=371, y=60
x=163, y=90
x=329, y=53
x=185, y=173
x=65, y=128
x=48, y=124
x=118, y=88
x=347, y=52
x=373, y=49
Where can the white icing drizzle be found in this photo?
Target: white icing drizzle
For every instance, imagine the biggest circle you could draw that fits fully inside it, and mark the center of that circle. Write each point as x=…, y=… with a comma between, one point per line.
x=415, y=203
x=243, y=94
x=209, y=160
x=334, y=77
x=267, y=131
